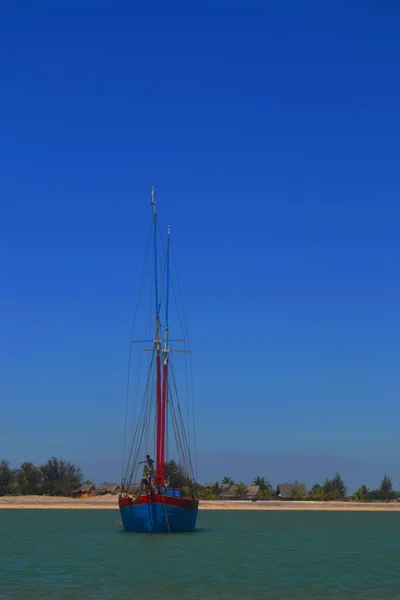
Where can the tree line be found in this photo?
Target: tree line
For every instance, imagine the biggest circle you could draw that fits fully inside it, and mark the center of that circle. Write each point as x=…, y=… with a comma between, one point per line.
x=56, y=477
x=330, y=489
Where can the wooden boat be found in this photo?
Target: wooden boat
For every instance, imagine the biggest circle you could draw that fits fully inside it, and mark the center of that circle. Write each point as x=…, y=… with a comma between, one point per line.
x=157, y=504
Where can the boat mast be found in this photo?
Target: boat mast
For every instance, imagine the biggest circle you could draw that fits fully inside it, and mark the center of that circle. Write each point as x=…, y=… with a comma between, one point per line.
x=165, y=369
x=157, y=343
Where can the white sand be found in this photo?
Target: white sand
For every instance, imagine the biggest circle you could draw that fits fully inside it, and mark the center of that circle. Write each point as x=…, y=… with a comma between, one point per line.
x=111, y=502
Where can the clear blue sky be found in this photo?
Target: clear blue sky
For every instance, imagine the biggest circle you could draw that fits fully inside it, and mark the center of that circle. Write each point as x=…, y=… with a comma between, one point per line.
x=271, y=132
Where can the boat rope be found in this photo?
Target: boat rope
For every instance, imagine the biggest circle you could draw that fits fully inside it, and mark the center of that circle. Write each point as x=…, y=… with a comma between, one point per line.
x=130, y=351
x=166, y=515
x=185, y=329
x=143, y=419
x=150, y=513
x=179, y=430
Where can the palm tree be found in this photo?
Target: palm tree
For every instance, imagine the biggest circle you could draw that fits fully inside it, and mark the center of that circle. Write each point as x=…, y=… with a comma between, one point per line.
x=317, y=492
x=216, y=489
x=29, y=478
x=262, y=482
x=360, y=493
x=241, y=489
x=8, y=481
x=335, y=488
x=227, y=481
x=386, y=485
x=266, y=494
x=206, y=494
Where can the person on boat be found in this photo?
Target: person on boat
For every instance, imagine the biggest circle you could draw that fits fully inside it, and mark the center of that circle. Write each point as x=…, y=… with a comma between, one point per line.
x=145, y=482
x=148, y=469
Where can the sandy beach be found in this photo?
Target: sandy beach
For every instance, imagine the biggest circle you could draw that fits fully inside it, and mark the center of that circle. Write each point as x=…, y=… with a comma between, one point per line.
x=111, y=502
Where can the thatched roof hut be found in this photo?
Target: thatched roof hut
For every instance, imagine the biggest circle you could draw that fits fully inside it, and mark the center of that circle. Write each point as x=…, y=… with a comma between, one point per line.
x=107, y=488
x=291, y=490
x=87, y=489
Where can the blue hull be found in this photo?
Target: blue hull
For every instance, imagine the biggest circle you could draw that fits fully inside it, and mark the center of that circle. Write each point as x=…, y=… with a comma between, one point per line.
x=156, y=517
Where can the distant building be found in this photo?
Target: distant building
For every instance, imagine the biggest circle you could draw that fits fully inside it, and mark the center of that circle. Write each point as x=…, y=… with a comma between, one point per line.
x=253, y=492
x=107, y=488
x=86, y=490
x=230, y=492
x=132, y=488
x=289, y=491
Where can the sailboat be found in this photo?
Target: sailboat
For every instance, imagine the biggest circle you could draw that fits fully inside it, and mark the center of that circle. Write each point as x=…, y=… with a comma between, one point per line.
x=164, y=499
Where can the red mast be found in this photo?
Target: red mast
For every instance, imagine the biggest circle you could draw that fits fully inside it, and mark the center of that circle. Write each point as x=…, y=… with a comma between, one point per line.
x=162, y=427
x=165, y=372
x=161, y=354
x=157, y=348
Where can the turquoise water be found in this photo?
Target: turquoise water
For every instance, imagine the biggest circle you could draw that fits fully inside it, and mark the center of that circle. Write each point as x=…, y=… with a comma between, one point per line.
x=61, y=554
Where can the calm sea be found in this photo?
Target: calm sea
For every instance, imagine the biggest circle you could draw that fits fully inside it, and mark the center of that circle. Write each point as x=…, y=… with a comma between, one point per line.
x=235, y=554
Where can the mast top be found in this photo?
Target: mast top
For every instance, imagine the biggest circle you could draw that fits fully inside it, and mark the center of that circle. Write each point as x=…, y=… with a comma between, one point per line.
x=153, y=201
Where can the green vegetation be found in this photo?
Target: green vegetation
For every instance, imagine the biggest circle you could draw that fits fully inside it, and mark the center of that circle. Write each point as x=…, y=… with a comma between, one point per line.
x=267, y=494
x=360, y=493
x=29, y=479
x=334, y=488
x=175, y=475
x=56, y=477
x=241, y=489
x=331, y=489
x=317, y=492
x=7, y=478
x=385, y=491
x=297, y=495
x=263, y=483
x=227, y=481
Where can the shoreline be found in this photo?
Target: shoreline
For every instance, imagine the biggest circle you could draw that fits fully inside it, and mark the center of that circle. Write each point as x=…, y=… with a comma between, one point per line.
x=110, y=502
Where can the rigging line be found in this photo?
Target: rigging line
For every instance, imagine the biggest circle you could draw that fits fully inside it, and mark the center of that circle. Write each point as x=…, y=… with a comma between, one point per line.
x=150, y=512
x=181, y=430
x=139, y=366
x=186, y=335
x=179, y=447
x=176, y=428
x=161, y=254
x=126, y=413
x=179, y=294
x=166, y=515
x=146, y=415
x=147, y=412
x=135, y=433
x=179, y=441
x=147, y=334
x=142, y=278
x=162, y=271
x=187, y=396
x=153, y=203
x=130, y=353
x=186, y=445
x=183, y=323
x=143, y=407
x=193, y=418
x=167, y=276
x=187, y=437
